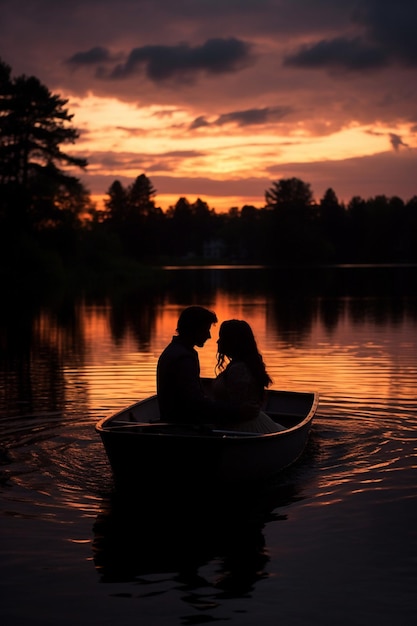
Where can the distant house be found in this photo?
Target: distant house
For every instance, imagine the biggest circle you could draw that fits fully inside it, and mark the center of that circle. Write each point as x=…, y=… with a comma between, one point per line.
x=214, y=249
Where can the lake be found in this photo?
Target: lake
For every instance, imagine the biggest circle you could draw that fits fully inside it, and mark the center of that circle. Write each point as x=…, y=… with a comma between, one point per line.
x=333, y=540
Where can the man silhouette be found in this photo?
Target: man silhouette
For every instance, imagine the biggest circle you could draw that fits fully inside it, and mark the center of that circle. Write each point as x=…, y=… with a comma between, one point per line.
x=181, y=396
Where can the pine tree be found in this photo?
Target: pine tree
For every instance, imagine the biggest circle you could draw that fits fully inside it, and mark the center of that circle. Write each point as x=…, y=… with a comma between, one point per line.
x=33, y=125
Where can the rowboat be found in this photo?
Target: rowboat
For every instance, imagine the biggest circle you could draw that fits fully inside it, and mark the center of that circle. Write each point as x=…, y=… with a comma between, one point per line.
x=142, y=448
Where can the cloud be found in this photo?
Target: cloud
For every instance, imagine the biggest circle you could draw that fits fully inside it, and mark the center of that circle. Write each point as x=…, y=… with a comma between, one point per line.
x=158, y=161
x=199, y=122
x=95, y=55
x=340, y=53
x=249, y=117
x=184, y=154
x=392, y=26
x=388, y=37
x=132, y=132
x=396, y=141
x=162, y=62
x=252, y=116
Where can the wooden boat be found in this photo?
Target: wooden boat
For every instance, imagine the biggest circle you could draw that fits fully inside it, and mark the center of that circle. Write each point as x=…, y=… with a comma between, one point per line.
x=141, y=448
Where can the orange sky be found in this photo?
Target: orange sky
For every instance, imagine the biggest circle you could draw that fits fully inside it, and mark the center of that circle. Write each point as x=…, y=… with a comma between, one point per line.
x=219, y=99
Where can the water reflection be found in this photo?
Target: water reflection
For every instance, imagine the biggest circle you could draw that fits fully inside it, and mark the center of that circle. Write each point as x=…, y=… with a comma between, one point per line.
x=215, y=544
x=34, y=344
x=51, y=352
x=350, y=333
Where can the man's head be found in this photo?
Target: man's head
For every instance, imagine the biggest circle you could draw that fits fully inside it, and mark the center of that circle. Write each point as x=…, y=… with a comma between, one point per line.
x=194, y=325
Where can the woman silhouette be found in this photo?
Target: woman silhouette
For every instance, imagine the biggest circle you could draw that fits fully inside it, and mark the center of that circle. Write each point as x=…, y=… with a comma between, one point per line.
x=242, y=378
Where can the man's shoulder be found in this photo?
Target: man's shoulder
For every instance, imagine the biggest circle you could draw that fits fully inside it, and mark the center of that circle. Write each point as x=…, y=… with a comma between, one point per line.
x=176, y=350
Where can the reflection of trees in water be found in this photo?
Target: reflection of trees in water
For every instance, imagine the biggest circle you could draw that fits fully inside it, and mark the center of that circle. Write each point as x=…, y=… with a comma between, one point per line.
x=295, y=297
x=135, y=314
x=36, y=341
x=183, y=538
x=37, y=338
x=379, y=294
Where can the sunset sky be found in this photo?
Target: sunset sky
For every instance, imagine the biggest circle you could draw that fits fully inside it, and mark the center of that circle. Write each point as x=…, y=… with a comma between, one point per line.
x=219, y=98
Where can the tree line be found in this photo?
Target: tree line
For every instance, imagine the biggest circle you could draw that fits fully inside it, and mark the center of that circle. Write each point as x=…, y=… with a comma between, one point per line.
x=291, y=228
x=45, y=210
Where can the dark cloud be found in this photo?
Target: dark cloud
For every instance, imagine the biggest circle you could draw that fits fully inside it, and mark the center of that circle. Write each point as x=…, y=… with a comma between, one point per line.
x=91, y=57
x=199, y=122
x=389, y=37
x=160, y=62
x=250, y=117
x=183, y=154
x=392, y=25
x=339, y=53
x=253, y=116
x=132, y=132
x=116, y=161
x=396, y=141
x=162, y=161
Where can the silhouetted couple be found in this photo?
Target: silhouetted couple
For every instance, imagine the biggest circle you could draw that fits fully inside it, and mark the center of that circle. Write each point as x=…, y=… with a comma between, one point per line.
x=236, y=396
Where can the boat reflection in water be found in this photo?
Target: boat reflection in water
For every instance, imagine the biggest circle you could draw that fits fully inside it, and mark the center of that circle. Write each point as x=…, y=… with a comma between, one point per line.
x=171, y=538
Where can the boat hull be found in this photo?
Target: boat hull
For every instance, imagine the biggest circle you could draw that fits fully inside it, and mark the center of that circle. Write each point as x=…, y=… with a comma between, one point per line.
x=141, y=449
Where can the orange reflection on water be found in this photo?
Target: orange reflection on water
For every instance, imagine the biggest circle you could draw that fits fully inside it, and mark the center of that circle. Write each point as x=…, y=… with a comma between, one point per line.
x=355, y=366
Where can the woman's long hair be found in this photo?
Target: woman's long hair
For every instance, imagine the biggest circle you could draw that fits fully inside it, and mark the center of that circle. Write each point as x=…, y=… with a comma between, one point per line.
x=237, y=341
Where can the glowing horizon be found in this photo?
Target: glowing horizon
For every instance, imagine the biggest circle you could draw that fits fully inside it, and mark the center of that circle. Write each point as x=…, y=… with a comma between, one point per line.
x=147, y=141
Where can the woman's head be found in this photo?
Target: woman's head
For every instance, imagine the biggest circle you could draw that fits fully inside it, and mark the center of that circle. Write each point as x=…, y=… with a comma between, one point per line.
x=237, y=342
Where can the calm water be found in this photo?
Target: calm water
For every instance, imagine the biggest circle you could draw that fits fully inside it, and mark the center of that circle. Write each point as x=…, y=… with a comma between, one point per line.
x=334, y=541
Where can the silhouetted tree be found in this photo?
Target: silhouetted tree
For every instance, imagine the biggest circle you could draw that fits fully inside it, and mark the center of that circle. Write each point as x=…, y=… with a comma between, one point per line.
x=180, y=220
x=116, y=206
x=132, y=215
x=253, y=234
x=409, y=242
x=380, y=222
x=141, y=197
x=33, y=126
x=290, y=223
x=203, y=225
x=331, y=225
x=399, y=229
x=360, y=229
x=329, y=206
x=289, y=193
